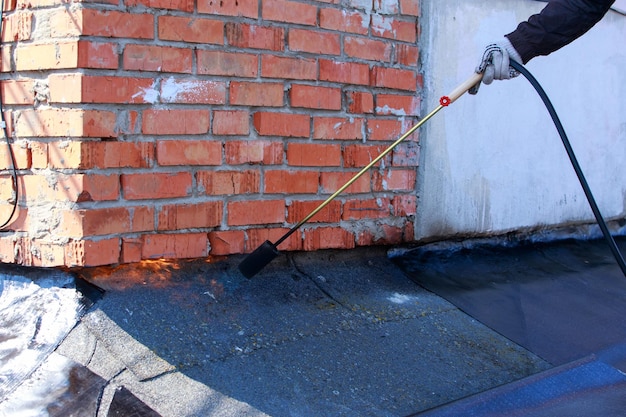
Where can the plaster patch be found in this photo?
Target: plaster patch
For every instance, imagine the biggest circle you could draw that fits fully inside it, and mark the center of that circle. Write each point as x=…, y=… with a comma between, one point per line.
x=172, y=89
x=380, y=25
x=149, y=95
x=386, y=109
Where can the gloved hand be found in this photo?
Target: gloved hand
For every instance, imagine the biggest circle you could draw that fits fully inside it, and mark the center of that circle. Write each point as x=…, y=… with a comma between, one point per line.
x=494, y=64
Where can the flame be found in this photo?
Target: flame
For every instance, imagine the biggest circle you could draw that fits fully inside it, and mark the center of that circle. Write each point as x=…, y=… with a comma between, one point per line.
x=157, y=273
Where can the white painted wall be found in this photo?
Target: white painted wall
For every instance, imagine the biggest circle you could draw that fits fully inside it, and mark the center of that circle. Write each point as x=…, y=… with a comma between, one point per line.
x=493, y=162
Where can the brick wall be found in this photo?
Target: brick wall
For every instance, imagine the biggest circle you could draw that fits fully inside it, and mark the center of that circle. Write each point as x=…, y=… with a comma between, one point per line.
x=148, y=129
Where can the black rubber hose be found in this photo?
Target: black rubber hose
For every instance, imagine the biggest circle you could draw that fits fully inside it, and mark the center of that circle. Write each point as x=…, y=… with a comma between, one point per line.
x=570, y=152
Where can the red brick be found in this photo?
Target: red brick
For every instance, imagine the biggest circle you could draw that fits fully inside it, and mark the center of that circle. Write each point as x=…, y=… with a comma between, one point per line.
x=256, y=94
x=77, y=88
x=288, y=68
x=17, y=92
x=39, y=189
x=404, y=205
x=92, y=154
x=92, y=252
x=7, y=191
x=6, y=58
x=338, y=128
x=19, y=220
x=344, y=72
x=243, y=8
x=244, y=213
x=409, y=7
x=333, y=181
x=106, y=221
x=7, y=250
x=175, y=122
x=67, y=155
x=38, y=253
x=382, y=234
x=397, y=105
x=315, y=97
x=231, y=122
x=39, y=57
x=131, y=250
x=256, y=237
x=408, y=232
x=99, y=124
x=344, y=20
x=190, y=215
x=298, y=210
x=282, y=124
x=87, y=187
x=192, y=30
x=229, y=182
x=65, y=22
x=407, y=55
x=254, y=152
x=188, y=152
x=179, y=245
x=152, y=186
x=66, y=122
x=369, y=49
x=378, y=208
x=243, y=35
x=39, y=154
x=289, y=11
x=393, y=28
x=327, y=238
x=311, y=154
x=157, y=58
x=357, y=156
x=231, y=64
x=227, y=242
x=360, y=102
x=17, y=26
x=395, y=180
x=97, y=55
x=44, y=253
x=315, y=42
x=394, y=78
x=9, y=118
x=406, y=153
x=21, y=154
x=385, y=129
x=180, y=5
x=291, y=182
x=25, y=25
x=116, y=24
x=10, y=5
x=193, y=91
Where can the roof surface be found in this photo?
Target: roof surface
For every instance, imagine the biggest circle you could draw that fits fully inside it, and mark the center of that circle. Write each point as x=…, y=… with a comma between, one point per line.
x=482, y=330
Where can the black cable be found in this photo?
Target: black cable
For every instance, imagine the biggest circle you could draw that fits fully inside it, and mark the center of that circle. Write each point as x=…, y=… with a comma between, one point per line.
x=9, y=149
x=570, y=152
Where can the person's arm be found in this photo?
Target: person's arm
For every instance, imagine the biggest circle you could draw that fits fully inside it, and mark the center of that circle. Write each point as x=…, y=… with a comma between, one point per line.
x=558, y=24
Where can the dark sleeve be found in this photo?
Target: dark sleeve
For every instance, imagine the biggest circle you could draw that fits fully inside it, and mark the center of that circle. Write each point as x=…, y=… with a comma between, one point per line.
x=558, y=24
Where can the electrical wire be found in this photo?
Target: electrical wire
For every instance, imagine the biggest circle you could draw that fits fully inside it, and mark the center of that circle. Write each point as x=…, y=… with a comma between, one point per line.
x=570, y=152
x=8, y=142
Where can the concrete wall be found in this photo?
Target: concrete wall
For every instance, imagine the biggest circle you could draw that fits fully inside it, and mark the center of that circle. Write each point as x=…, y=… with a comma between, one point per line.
x=493, y=163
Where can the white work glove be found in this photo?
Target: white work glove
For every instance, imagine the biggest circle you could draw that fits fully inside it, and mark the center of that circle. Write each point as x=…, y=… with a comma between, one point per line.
x=495, y=63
